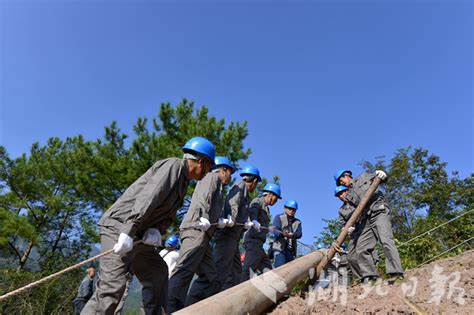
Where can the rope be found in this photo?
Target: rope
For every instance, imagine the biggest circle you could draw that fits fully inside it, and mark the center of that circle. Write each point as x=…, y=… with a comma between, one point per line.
x=418, y=310
x=337, y=248
x=433, y=258
x=306, y=245
x=435, y=228
x=57, y=274
x=269, y=229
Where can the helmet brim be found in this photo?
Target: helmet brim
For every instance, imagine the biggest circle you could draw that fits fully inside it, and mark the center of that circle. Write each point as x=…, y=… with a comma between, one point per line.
x=259, y=179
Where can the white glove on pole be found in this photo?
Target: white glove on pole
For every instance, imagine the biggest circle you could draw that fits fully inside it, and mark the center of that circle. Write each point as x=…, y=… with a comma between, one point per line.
x=124, y=244
x=204, y=224
x=230, y=222
x=350, y=230
x=222, y=223
x=248, y=225
x=256, y=225
x=152, y=237
x=381, y=174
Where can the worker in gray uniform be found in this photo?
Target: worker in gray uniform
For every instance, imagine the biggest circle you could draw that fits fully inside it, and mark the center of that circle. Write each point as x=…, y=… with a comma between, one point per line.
x=236, y=270
x=85, y=291
x=196, y=232
x=226, y=249
x=144, y=212
x=256, y=259
x=359, y=231
x=377, y=217
x=287, y=229
x=344, y=273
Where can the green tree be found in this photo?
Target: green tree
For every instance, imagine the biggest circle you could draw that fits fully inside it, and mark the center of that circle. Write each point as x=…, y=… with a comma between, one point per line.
x=47, y=226
x=419, y=250
x=419, y=186
x=330, y=232
x=39, y=195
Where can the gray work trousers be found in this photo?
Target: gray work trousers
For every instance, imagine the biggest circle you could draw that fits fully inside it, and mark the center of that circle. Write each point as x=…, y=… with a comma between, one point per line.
x=144, y=262
x=359, y=254
x=226, y=251
x=381, y=222
x=344, y=271
x=256, y=259
x=195, y=257
x=377, y=227
x=236, y=272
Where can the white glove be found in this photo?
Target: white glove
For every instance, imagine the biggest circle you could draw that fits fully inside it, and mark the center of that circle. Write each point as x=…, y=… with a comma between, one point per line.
x=124, y=244
x=350, y=230
x=248, y=225
x=381, y=174
x=204, y=224
x=230, y=222
x=222, y=223
x=256, y=225
x=152, y=237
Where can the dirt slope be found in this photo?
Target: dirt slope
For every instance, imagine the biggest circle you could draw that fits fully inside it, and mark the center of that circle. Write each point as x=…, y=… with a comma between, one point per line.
x=457, y=274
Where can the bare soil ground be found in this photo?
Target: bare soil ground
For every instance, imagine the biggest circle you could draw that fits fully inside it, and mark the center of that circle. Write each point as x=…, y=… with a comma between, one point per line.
x=445, y=286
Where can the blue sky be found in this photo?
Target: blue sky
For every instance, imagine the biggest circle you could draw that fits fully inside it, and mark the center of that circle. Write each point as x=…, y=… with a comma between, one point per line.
x=323, y=84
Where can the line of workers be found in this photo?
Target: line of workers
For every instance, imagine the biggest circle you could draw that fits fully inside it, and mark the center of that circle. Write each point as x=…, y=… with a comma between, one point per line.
x=133, y=226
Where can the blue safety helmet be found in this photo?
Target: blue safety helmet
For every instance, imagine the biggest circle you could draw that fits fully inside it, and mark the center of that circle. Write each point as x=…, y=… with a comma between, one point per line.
x=339, y=189
x=202, y=146
x=291, y=204
x=339, y=173
x=251, y=170
x=172, y=241
x=223, y=161
x=273, y=188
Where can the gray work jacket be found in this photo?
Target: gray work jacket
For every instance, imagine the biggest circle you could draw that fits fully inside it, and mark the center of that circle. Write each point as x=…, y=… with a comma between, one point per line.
x=345, y=213
x=207, y=202
x=259, y=211
x=236, y=205
x=85, y=289
x=359, y=187
x=151, y=201
x=282, y=222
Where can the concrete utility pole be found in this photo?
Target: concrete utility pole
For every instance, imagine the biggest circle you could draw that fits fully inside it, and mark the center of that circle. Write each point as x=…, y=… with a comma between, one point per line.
x=256, y=295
